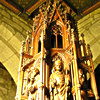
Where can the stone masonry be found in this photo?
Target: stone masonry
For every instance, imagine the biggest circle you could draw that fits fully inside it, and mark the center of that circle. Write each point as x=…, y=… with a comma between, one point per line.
x=12, y=33
x=7, y=86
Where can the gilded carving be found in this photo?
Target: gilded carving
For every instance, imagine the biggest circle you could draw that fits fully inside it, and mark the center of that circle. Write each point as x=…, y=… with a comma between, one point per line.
x=83, y=84
x=55, y=31
x=58, y=82
x=34, y=83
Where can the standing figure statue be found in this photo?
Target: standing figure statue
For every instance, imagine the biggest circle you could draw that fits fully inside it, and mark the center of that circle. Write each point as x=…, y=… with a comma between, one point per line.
x=58, y=84
x=83, y=85
x=34, y=84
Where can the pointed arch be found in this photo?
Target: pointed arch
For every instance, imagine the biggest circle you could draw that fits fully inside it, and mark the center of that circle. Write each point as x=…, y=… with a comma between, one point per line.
x=53, y=41
x=56, y=30
x=59, y=55
x=39, y=46
x=59, y=40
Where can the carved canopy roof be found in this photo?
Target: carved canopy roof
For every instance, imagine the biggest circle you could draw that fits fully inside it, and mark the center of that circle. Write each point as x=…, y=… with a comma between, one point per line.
x=28, y=8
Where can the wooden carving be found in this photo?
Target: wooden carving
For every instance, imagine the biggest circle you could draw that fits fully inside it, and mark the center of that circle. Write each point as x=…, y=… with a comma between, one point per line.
x=54, y=64
x=58, y=82
x=34, y=84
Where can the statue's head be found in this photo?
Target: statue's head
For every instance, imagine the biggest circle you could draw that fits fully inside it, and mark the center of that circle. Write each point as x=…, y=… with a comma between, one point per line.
x=58, y=65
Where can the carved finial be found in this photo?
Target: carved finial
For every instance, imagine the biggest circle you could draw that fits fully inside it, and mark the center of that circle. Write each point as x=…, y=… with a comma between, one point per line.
x=22, y=48
x=65, y=11
x=23, y=42
x=68, y=10
x=45, y=53
x=68, y=22
x=73, y=36
x=89, y=50
x=82, y=35
x=80, y=42
x=28, y=32
x=40, y=8
x=72, y=30
x=28, y=41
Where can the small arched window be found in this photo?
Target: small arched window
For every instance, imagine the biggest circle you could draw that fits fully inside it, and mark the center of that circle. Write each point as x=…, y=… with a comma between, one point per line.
x=56, y=36
x=53, y=41
x=56, y=41
x=59, y=40
x=39, y=46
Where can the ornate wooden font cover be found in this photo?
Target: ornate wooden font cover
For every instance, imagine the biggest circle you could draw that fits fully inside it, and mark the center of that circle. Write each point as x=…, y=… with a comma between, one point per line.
x=54, y=63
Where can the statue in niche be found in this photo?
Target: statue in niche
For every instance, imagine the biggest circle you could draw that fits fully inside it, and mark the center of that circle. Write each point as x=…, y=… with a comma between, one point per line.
x=83, y=85
x=34, y=84
x=26, y=81
x=59, y=82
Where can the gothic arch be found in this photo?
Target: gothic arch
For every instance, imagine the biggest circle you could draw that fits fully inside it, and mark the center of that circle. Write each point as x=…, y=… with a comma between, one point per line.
x=7, y=84
x=64, y=60
x=12, y=33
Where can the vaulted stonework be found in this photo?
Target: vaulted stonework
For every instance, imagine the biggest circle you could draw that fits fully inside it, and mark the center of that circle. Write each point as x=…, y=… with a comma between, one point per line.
x=54, y=62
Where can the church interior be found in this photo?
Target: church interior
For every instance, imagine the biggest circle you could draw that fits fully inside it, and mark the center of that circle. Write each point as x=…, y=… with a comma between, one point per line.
x=16, y=24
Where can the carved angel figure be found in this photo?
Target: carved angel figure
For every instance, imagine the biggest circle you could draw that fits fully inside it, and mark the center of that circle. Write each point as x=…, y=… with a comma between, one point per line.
x=58, y=84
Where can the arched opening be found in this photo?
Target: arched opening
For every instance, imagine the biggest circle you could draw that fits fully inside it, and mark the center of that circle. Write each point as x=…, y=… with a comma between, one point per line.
x=53, y=41
x=56, y=41
x=59, y=40
x=39, y=46
x=56, y=32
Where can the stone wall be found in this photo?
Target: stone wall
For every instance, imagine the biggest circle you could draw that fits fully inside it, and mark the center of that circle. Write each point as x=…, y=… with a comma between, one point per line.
x=90, y=26
x=12, y=33
x=7, y=86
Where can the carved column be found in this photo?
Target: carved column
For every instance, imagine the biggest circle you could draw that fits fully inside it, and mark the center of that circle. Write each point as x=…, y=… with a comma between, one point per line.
x=32, y=45
x=76, y=76
x=93, y=80
x=42, y=67
x=93, y=85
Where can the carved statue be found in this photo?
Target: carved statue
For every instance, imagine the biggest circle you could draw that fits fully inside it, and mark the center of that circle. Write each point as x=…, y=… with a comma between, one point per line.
x=58, y=82
x=83, y=85
x=34, y=84
x=26, y=81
